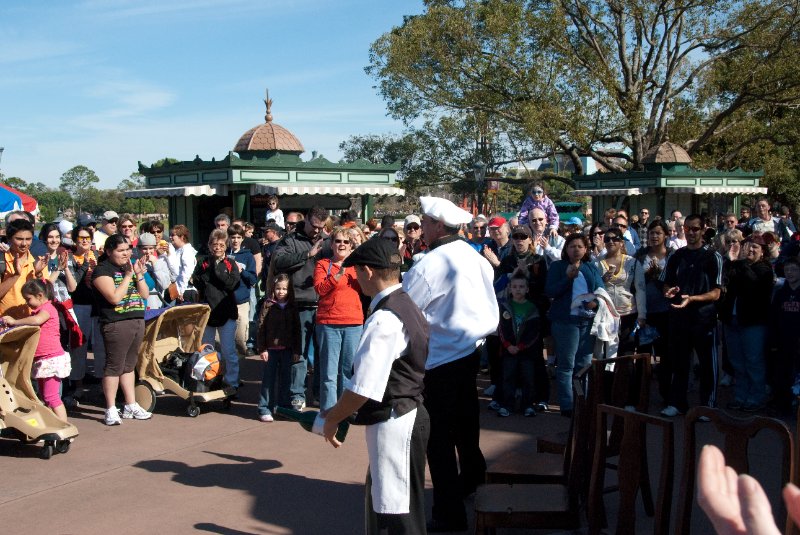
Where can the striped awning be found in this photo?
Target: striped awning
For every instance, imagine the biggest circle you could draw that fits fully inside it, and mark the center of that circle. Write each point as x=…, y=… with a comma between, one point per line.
x=717, y=189
x=326, y=189
x=184, y=191
x=611, y=191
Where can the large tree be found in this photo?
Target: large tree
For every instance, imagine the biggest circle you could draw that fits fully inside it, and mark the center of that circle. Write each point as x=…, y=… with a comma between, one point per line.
x=596, y=78
x=79, y=183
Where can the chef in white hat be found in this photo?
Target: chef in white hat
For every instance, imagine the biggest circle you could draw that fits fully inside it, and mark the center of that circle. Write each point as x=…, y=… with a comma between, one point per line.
x=452, y=285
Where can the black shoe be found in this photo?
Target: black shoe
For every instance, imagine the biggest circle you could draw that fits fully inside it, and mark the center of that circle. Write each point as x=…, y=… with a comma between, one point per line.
x=566, y=413
x=439, y=526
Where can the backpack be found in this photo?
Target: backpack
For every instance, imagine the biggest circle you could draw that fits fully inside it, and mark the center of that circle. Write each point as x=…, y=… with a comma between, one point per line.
x=72, y=336
x=204, y=370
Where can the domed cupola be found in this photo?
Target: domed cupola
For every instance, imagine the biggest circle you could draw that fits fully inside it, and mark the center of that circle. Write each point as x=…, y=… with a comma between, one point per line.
x=267, y=139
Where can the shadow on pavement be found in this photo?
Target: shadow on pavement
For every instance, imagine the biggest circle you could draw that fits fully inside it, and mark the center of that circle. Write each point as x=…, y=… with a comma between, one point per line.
x=278, y=498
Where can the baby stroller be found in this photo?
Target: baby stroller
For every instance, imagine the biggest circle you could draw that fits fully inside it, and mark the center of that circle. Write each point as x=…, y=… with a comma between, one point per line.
x=22, y=415
x=171, y=337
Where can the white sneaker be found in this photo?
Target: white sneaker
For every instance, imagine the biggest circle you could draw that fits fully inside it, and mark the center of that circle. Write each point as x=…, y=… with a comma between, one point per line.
x=298, y=405
x=136, y=412
x=489, y=390
x=266, y=418
x=670, y=411
x=112, y=416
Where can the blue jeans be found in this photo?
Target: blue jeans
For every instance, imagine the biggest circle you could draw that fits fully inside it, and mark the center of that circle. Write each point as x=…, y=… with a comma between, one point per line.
x=277, y=367
x=337, y=346
x=746, y=355
x=574, y=348
x=300, y=369
x=227, y=345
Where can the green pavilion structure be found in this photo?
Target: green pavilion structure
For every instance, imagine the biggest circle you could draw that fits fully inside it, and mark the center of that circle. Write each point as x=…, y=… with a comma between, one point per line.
x=264, y=161
x=669, y=182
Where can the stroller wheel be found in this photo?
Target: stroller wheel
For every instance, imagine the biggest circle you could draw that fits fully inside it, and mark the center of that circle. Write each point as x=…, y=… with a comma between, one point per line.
x=145, y=395
x=193, y=411
x=47, y=450
x=62, y=446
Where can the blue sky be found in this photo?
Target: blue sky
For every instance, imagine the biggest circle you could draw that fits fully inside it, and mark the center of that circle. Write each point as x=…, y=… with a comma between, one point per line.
x=107, y=83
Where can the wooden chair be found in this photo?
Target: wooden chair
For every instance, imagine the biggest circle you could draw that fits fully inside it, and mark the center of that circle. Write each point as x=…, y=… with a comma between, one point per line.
x=737, y=432
x=633, y=472
x=612, y=388
x=546, y=506
x=535, y=467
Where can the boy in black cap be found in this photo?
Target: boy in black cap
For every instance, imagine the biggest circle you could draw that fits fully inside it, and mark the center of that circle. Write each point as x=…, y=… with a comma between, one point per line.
x=386, y=393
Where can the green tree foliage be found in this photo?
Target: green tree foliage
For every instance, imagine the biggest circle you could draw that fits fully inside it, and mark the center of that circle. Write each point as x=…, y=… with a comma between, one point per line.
x=79, y=183
x=593, y=77
x=14, y=182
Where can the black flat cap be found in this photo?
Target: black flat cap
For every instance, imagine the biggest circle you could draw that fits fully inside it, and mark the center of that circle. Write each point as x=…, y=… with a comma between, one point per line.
x=375, y=252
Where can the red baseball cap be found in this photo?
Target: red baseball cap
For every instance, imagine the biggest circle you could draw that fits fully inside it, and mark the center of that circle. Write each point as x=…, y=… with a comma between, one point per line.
x=497, y=221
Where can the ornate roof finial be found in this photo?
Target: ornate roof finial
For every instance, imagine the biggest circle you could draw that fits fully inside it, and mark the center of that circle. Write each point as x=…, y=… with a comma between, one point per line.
x=268, y=102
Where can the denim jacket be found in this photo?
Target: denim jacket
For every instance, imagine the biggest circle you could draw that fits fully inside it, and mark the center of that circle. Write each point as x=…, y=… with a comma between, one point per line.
x=558, y=287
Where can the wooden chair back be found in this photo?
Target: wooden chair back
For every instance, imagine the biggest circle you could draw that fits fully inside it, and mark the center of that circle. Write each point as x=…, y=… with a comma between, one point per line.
x=545, y=506
x=633, y=471
x=737, y=434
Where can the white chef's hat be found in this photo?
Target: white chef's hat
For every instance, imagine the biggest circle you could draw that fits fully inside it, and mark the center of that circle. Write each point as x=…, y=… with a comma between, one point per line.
x=444, y=211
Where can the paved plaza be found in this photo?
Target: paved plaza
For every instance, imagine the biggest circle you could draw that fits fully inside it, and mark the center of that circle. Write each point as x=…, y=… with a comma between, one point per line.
x=227, y=473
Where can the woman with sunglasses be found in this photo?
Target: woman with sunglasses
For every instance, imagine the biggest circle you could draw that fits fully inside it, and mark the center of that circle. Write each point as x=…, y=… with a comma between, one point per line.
x=597, y=249
x=79, y=283
x=339, y=318
x=617, y=270
x=538, y=199
x=127, y=228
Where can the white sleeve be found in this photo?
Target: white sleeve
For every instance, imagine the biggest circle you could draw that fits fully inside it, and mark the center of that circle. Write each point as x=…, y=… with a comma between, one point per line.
x=383, y=340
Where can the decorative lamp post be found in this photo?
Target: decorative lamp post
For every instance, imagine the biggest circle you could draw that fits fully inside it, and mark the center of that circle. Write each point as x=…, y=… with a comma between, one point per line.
x=479, y=170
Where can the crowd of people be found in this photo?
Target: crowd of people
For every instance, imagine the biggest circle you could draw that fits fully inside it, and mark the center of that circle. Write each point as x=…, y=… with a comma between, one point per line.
x=529, y=298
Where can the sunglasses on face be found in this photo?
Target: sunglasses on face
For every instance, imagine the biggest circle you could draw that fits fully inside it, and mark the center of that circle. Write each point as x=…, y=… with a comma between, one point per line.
x=412, y=226
x=620, y=225
x=342, y=241
x=127, y=226
x=84, y=238
x=291, y=223
x=611, y=239
x=538, y=192
x=692, y=229
x=479, y=229
x=538, y=219
x=520, y=237
x=112, y=221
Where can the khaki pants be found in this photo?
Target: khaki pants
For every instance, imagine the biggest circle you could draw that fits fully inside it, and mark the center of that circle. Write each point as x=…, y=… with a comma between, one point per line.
x=242, y=327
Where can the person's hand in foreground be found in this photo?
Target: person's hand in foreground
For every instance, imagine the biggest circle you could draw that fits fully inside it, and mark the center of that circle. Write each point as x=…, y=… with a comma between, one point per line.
x=736, y=504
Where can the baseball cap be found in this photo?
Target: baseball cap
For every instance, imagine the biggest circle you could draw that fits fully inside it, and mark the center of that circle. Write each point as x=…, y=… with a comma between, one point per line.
x=84, y=220
x=108, y=215
x=497, y=221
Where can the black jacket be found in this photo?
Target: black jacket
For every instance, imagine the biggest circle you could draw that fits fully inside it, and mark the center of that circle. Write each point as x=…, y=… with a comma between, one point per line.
x=291, y=257
x=749, y=286
x=216, y=283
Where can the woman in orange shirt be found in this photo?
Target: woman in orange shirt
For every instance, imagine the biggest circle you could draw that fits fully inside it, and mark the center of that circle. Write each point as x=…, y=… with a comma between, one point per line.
x=339, y=318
